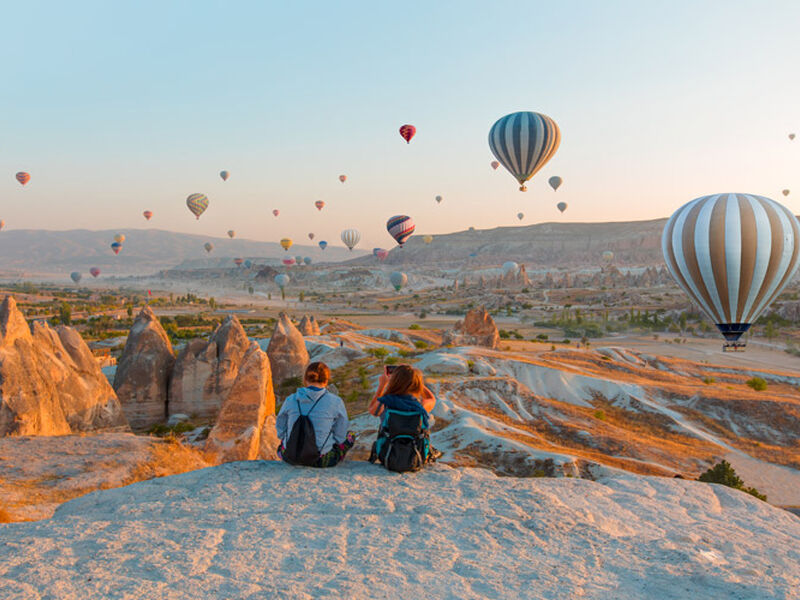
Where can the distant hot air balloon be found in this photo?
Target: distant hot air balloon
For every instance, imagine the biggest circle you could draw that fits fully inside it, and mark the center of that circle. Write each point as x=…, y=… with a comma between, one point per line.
x=148, y=214
x=76, y=277
x=375, y=251
x=23, y=177
x=319, y=204
x=311, y=236
x=342, y=178
x=732, y=254
x=282, y=280
x=288, y=261
x=785, y=192
x=94, y=271
x=398, y=279
x=350, y=238
x=238, y=261
x=307, y=260
x=523, y=142
x=494, y=164
x=197, y=203
x=298, y=260
x=438, y=199
x=119, y=238
x=608, y=255
x=382, y=254
x=248, y=263
x=562, y=206
x=791, y=136
x=2, y=224
x=555, y=182
x=224, y=175
x=427, y=239
x=510, y=267
x=231, y=233
x=275, y=212
x=407, y=132
x=400, y=227
x=208, y=246
x=323, y=244
x=520, y=216
x=286, y=243
x=116, y=247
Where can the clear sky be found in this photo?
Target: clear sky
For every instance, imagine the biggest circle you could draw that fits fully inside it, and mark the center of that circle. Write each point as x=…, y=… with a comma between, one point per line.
x=115, y=109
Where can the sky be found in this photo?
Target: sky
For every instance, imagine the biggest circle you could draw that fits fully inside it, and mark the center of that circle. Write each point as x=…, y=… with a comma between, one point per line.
x=115, y=108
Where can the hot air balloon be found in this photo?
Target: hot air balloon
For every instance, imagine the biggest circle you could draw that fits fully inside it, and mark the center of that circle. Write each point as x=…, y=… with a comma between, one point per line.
x=319, y=204
x=407, y=132
x=298, y=260
x=275, y=212
x=231, y=233
x=2, y=224
x=148, y=214
x=555, y=182
x=282, y=280
x=307, y=260
x=350, y=238
x=510, y=267
x=562, y=206
x=400, y=227
x=119, y=238
x=311, y=236
x=208, y=246
x=520, y=216
x=785, y=192
x=523, y=142
x=791, y=136
x=116, y=247
x=323, y=244
x=94, y=271
x=375, y=251
x=398, y=279
x=248, y=263
x=427, y=239
x=238, y=261
x=494, y=164
x=382, y=254
x=197, y=203
x=608, y=256
x=732, y=254
x=288, y=261
x=224, y=175
x=438, y=199
x=23, y=177
x=342, y=178
x=76, y=277
x=286, y=243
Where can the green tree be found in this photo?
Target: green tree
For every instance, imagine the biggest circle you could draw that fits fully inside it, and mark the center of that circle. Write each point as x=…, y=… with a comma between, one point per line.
x=724, y=474
x=65, y=313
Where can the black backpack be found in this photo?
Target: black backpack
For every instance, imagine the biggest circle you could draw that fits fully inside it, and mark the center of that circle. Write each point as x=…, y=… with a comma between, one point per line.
x=301, y=447
x=403, y=442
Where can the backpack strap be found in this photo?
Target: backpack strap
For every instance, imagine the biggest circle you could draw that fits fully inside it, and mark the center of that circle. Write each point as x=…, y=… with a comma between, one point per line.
x=313, y=406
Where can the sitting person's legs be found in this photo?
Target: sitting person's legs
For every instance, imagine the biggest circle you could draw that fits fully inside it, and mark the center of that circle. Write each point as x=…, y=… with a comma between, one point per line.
x=336, y=454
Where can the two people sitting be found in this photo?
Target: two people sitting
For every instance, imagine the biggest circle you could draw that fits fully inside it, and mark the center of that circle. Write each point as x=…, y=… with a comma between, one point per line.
x=313, y=426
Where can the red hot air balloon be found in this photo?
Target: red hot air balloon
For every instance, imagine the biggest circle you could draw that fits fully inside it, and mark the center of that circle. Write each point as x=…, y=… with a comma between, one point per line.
x=148, y=214
x=94, y=271
x=311, y=236
x=407, y=132
x=319, y=204
x=2, y=224
x=494, y=164
x=23, y=177
x=342, y=178
x=238, y=261
x=381, y=254
x=288, y=261
x=276, y=212
x=116, y=247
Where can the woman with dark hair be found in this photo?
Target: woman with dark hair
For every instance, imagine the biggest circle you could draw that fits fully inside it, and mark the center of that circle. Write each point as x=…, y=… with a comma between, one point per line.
x=402, y=388
x=327, y=440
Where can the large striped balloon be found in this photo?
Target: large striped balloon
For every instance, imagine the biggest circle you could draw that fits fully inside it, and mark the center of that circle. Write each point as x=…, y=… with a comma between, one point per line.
x=350, y=238
x=523, y=142
x=400, y=227
x=407, y=132
x=197, y=203
x=732, y=254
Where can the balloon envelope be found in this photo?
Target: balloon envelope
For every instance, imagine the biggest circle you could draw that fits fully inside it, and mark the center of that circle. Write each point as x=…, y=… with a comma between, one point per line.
x=119, y=238
x=298, y=260
x=319, y=204
x=197, y=204
x=562, y=206
x=76, y=277
x=282, y=279
x=427, y=239
x=555, y=182
x=148, y=214
x=398, y=279
x=494, y=164
x=238, y=261
x=785, y=192
x=523, y=142
x=248, y=263
x=510, y=267
x=311, y=236
x=94, y=271
x=2, y=224
x=23, y=177
x=407, y=132
x=400, y=227
x=342, y=178
x=732, y=254
x=438, y=199
x=323, y=244
x=286, y=243
x=791, y=136
x=608, y=256
x=350, y=238
x=307, y=260
x=208, y=246
x=116, y=247
x=520, y=216
x=382, y=254
x=224, y=175
x=231, y=233
x=276, y=212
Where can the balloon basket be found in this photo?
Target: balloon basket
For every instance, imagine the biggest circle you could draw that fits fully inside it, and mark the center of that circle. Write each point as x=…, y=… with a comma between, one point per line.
x=734, y=346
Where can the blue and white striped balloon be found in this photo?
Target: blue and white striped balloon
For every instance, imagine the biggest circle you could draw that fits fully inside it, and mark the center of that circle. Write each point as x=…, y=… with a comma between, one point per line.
x=523, y=142
x=732, y=254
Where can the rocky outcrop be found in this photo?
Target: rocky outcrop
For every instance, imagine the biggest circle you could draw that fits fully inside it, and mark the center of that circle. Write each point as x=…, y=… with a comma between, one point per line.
x=245, y=428
x=143, y=371
x=287, y=352
x=204, y=372
x=477, y=329
x=308, y=325
x=50, y=383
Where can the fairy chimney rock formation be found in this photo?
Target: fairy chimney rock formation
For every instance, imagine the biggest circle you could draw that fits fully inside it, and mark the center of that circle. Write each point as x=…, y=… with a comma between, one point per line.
x=287, y=352
x=143, y=372
x=50, y=383
x=245, y=428
x=204, y=372
x=477, y=329
x=308, y=325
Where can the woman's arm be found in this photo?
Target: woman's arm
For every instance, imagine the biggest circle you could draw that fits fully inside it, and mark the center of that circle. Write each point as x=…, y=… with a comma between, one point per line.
x=428, y=400
x=375, y=407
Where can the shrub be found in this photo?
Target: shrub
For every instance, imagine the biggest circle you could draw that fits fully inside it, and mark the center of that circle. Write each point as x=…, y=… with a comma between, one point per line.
x=757, y=383
x=378, y=352
x=724, y=474
x=600, y=415
x=420, y=344
x=504, y=335
x=391, y=360
x=414, y=326
x=542, y=336
x=709, y=380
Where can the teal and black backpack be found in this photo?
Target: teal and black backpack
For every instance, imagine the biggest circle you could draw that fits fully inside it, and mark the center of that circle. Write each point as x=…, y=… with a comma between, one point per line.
x=403, y=442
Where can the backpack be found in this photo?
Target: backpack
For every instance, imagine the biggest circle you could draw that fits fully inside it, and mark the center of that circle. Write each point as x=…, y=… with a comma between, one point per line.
x=403, y=442
x=301, y=447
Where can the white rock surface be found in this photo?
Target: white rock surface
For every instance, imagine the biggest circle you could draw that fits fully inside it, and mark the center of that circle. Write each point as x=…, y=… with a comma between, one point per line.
x=265, y=529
